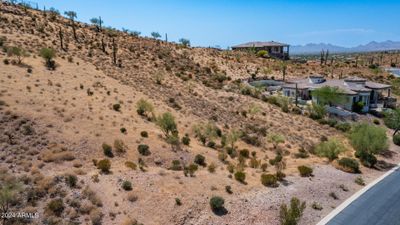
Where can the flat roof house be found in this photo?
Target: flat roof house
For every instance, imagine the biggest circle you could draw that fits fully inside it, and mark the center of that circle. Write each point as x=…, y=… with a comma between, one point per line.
x=274, y=49
x=356, y=89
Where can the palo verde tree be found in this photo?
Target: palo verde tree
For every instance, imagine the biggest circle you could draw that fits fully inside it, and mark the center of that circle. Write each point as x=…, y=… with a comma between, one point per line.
x=329, y=95
x=8, y=193
x=185, y=42
x=72, y=16
x=167, y=124
x=392, y=120
x=97, y=22
x=17, y=52
x=232, y=137
x=155, y=35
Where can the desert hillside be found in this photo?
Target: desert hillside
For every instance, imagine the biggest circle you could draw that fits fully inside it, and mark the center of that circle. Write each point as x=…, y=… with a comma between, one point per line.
x=59, y=125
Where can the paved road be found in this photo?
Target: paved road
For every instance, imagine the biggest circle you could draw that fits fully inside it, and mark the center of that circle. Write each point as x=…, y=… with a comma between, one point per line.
x=380, y=205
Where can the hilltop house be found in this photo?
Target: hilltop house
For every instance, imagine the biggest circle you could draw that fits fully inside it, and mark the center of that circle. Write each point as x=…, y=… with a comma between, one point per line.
x=371, y=94
x=275, y=49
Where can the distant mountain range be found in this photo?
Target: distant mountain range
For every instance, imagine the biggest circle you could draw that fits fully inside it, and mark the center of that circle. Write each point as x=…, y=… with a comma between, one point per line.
x=370, y=47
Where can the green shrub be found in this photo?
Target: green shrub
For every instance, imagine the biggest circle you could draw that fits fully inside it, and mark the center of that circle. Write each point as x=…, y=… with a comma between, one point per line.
x=104, y=165
x=144, y=134
x=186, y=139
x=211, y=144
x=127, y=185
x=360, y=181
x=211, y=168
x=269, y=180
x=131, y=165
x=344, y=127
x=262, y=53
x=367, y=159
x=316, y=206
x=305, y=171
x=145, y=108
x=107, y=150
x=228, y=189
x=178, y=201
x=240, y=176
x=396, y=139
x=291, y=215
x=123, y=130
x=217, y=203
x=368, y=138
x=191, y=169
x=167, y=123
x=376, y=121
x=48, y=54
x=349, y=165
x=117, y=107
x=144, y=150
x=56, y=206
x=245, y=153
x=302, y=154
x=119, y=146
x=329, y=149
x=71, y=180
x=200, y=160
x=176, y=165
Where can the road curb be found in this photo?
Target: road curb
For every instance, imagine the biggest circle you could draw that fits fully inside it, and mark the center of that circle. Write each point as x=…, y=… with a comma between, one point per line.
x=352, y=198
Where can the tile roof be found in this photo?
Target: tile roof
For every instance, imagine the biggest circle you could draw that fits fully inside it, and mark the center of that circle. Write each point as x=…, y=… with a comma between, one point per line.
x=349, y=86
x=260, y=44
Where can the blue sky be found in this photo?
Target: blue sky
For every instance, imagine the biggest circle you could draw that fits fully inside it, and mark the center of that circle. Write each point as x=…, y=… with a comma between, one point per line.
x=229, y=22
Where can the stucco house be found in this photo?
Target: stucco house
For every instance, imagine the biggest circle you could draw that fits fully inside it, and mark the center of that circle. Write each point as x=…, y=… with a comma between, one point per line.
x=371, y=94
x=275, y=49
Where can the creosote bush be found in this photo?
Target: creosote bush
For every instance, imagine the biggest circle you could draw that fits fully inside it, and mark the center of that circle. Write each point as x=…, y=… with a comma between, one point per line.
x=305, y=171
x=186, y=139
x=144, y=150
x=240, y=176
x=200, y=160
x=349, y=165
x=329, y=149
x=127, y=185
x=269, y=180
x=56, y=207
x=104, y=165
x=144, y=134
x=107, y=150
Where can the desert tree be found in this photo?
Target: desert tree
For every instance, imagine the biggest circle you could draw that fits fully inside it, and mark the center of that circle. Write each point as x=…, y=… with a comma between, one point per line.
x=205, y=132
x=329, y=95
x=167, y=124
x=392, y=120
x=17, y=52
x=97, y=22
x=185, y=42
x=72, y=16
x=155, y=35
x=232, y=137
x=135, y=33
